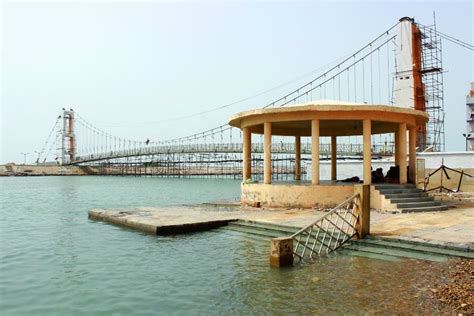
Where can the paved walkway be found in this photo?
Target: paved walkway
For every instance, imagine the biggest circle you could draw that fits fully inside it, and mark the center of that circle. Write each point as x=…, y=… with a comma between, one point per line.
x=452, y=227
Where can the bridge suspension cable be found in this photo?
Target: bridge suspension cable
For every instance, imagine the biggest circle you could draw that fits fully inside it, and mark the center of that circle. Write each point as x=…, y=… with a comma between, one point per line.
x=450, y=38
x=336, y=82
x=43, y=153
x=297, y=93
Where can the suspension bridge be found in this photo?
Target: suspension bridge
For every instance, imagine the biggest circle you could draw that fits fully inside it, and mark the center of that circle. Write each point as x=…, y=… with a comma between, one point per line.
x=400, y=67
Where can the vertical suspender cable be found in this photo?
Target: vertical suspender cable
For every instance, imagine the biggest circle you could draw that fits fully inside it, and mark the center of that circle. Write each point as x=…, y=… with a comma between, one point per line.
x=378, y=67
x=363, y=80
x=371, y=78
x=355, y=80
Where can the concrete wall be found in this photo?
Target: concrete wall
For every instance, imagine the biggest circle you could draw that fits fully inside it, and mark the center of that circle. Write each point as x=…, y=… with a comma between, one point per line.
x=455, y=159
x=379, y=202
x=287, y=195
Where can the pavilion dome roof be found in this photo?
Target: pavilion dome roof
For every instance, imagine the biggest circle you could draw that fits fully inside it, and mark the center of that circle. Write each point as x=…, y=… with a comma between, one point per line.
x=326, y=102
x=338, y=118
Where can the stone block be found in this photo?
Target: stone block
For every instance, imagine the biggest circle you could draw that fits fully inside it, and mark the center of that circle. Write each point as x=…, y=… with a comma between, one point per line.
x=281, y=252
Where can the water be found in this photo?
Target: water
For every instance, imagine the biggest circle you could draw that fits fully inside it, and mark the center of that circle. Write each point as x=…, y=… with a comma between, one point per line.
x=54, y=261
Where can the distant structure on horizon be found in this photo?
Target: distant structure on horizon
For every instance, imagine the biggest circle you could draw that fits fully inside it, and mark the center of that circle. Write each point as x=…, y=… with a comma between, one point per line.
x=470, y=119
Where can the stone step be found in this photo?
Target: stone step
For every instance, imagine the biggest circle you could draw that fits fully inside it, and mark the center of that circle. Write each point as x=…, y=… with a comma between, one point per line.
x=411, y=199
x=369, y=255
x=282, y=229
x=276, y=230
x=396, y=252
x=384, y=186
x=464, y=248
x=423, y=248
x=268, y=233
x=417, y=204
x=424, y=209
x=258, y=232
x=262, y=240
x=405, y=195
x=380, y=248
x=400, y=191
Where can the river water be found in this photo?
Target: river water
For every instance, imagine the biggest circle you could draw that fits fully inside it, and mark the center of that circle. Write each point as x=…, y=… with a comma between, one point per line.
x=55, y=261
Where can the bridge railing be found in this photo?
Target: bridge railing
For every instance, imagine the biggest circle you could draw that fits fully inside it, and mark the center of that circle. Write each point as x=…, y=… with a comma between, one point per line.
x=277, y=148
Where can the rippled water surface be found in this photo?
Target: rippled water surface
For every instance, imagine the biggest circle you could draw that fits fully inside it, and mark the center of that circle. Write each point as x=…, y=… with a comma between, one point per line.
x=56, y=261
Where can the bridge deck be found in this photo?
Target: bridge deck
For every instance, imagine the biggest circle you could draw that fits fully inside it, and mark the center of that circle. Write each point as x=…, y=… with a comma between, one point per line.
x=231, y=148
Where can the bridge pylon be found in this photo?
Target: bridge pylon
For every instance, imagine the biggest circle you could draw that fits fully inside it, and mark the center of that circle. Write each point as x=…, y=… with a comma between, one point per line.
x=68, y=138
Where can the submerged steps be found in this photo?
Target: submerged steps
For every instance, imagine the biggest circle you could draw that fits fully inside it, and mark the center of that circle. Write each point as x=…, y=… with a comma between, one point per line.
x=270, y=230
x=445, y=250
x=369, y=255
x=392, y=251
x=381, y=248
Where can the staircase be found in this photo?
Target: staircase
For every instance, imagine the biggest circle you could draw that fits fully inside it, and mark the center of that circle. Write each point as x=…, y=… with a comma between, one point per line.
x=262, y=230
x=395, y=249
x=408, y=198
x=381, y=248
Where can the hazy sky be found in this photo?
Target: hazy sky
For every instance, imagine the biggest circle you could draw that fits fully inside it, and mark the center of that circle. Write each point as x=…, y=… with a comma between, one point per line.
x=127, y=67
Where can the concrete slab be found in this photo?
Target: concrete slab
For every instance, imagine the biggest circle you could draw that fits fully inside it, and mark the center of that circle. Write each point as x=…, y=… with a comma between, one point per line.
x=452, y=228
x=190, y=218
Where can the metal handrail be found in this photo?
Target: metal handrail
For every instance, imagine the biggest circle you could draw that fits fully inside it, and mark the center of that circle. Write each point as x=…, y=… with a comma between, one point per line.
x=325, y=215
x=339, y=229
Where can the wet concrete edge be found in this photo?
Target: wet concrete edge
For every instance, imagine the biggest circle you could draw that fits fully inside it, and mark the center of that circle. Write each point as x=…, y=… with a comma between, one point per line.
x=156, y=229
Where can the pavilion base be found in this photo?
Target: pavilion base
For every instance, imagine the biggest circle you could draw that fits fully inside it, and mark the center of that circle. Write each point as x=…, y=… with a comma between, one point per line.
x=295, y=195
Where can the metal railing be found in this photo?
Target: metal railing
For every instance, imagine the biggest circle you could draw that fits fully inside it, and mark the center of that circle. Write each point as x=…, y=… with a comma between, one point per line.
x=328, y=232
x=277, y=148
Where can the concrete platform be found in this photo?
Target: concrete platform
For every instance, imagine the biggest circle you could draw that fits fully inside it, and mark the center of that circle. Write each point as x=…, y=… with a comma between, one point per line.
x=191, y=218
x=452, y=228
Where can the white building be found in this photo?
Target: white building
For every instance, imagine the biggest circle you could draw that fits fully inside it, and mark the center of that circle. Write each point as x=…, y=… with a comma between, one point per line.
x=470, y=119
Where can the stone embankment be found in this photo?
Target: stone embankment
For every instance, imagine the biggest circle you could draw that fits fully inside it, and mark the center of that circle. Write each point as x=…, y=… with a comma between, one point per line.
x=44, y=170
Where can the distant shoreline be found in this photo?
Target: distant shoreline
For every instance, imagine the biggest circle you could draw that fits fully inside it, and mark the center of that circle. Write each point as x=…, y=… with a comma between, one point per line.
x=14, y=170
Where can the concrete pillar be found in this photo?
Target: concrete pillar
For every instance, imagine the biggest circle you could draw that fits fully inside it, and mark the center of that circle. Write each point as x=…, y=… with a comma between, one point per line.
x=412, y=154
x=402, y=139
x=315, y=151
x=247, y=154
x=363, y=208
x=281, y=252
x=367, y=133
x=334, y=158
x=267, y=153
x=396, y=149
x=297, y=157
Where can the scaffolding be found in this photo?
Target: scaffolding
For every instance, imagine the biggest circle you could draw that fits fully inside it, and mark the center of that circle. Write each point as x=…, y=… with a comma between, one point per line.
x=432, y=77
